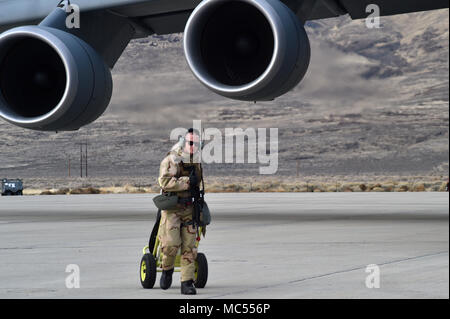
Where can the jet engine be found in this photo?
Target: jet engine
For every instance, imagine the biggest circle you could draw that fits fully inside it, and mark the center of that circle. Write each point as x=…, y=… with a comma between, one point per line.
x=251, y=50
x=51, y=80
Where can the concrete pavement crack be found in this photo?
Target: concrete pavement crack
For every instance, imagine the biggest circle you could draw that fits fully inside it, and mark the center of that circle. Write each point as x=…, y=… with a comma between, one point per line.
x=329, y=274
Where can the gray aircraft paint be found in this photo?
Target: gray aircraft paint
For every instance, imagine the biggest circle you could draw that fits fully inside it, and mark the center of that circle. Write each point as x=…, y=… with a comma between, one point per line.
x=16, y=11
x=12, y=11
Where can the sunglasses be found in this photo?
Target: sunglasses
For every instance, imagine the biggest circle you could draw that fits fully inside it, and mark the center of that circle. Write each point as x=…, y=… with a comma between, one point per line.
x=193, y=143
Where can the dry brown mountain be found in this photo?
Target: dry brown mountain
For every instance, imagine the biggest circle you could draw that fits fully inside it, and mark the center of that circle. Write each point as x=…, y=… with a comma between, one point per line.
x=374, y=102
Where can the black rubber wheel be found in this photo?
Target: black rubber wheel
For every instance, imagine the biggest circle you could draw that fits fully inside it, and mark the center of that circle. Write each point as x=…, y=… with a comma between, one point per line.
x=19, y=193
x=201, y=271
x=147, y=271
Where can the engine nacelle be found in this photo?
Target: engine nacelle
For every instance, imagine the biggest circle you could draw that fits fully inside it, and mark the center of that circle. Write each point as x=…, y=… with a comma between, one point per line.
x=51, y=80
x=249, y=50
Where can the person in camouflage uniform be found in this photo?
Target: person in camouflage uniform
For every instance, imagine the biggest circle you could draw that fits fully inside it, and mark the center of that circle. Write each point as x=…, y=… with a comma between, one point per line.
x=173, y=232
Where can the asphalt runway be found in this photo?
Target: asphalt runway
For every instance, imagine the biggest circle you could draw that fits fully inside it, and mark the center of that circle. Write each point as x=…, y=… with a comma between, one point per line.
x=259, y=245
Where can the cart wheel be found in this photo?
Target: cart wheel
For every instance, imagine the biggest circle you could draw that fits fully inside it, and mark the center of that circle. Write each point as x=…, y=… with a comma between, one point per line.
x=201, y=271
x=147, y=271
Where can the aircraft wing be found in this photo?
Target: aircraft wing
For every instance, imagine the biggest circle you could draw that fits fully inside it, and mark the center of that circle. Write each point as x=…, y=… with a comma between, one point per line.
x=170, y=16
x=357, y=8
x=175, y=12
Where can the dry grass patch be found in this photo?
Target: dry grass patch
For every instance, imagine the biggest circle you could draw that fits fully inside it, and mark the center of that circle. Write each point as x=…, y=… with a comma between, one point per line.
x=84, y=191
x=231, y=184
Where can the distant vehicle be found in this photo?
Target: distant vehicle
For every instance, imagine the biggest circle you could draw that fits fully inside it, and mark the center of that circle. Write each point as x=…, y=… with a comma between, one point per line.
x=12, y=187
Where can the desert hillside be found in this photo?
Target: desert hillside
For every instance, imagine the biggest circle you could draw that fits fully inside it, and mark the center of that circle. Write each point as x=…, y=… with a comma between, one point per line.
x=374, y=102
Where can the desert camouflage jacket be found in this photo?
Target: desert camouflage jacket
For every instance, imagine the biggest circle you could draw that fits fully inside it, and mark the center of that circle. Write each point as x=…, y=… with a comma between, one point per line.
x=174, y=173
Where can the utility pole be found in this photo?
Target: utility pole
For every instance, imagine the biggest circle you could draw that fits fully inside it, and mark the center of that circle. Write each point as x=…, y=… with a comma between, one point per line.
x=86, y=157
x=83, y=158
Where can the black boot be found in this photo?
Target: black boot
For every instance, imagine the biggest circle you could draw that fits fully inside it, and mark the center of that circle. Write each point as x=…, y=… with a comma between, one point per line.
x=187, y=288
x=166, y=279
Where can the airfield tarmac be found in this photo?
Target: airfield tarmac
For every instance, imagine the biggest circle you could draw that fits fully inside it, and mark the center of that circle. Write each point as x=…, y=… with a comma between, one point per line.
x=259, y=245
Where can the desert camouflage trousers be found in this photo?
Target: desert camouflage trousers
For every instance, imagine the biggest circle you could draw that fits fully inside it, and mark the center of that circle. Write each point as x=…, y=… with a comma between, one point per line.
x=173, y=237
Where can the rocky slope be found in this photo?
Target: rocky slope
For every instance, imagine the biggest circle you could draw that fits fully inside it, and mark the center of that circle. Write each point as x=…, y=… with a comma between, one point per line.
x=374, y=102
